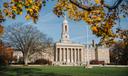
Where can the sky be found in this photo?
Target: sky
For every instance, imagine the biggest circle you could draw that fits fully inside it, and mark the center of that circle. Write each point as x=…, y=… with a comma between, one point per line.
x=50, y=25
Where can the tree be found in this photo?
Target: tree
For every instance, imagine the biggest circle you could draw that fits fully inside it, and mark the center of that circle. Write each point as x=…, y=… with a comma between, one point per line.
x=119, y=51
x=16, y=7
x=6, y=54
x=25, y=38
x=97, y=13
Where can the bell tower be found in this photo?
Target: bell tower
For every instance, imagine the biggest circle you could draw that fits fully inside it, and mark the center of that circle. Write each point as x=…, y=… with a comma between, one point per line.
x=65, y=29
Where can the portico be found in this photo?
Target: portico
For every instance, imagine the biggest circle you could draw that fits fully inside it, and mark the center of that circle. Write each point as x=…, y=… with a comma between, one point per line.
x=69, y=53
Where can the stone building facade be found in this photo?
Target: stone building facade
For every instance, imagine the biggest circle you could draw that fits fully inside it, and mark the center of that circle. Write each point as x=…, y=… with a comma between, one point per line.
x=101, y=54
x=68, y=53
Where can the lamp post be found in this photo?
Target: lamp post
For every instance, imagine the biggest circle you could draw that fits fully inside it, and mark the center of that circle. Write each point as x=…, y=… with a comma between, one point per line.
x=87, y=50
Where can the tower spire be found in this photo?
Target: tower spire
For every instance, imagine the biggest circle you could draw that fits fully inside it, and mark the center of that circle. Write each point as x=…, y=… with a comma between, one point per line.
x=65, y=29
x=64, y=17
x=65, y=20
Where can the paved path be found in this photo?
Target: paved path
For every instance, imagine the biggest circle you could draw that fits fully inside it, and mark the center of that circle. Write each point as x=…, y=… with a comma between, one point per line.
x=111, y=65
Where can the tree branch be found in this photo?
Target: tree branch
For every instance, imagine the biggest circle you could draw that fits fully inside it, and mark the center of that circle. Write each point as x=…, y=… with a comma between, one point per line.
x=84, y=7
x=80, y=5
x=116, y=4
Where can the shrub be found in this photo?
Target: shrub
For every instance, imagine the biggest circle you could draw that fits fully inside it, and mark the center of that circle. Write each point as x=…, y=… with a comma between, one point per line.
x=43, y=61
x=6, y=54
x=97, y=62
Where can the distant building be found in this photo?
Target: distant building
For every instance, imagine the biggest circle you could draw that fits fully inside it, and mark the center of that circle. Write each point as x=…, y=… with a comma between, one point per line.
x=69, y=53
x=48, y=55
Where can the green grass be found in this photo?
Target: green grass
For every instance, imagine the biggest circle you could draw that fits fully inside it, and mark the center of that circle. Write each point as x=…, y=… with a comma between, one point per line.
x=62, y=71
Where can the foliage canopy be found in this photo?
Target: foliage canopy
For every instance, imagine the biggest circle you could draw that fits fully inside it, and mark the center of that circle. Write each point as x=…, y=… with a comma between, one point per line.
x=102, y=17
x=99, y=15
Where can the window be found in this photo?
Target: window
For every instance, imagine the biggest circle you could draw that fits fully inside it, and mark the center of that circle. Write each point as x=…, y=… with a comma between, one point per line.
x=66, y=36
x=66, y=28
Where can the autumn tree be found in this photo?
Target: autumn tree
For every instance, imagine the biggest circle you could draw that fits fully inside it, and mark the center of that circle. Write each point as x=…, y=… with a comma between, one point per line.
x=101, y=17
x=6, y=53
x=26, y=38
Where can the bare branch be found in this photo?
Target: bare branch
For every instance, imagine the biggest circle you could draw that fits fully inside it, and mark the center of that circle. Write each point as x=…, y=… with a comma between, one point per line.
x=80, y=5
x=84, y=7
x=116, y=4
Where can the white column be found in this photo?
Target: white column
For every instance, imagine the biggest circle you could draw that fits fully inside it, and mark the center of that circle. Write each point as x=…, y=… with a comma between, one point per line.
x=68, y=55
x=78, y=55
x=71, y=56
x=75, y=55
x=64, y=54
x=81, y=55
x=60, y=56
x=56, y=57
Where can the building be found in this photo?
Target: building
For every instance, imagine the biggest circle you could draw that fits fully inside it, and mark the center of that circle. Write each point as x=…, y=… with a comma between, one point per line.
x=48, y=55
x=67, y=52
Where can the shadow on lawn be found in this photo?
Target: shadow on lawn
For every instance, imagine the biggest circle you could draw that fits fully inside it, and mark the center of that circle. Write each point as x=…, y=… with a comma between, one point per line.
x=26, y=72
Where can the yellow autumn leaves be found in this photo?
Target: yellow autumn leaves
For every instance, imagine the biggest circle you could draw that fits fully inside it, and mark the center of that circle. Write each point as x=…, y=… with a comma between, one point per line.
x=33, y=8
x=1, y=30
x=98, y=1
x=16, y=7
x=91, y=17
x=101, y=25
x=94, y=29
x=27, y=17
x=64, y=5
x=1, y=20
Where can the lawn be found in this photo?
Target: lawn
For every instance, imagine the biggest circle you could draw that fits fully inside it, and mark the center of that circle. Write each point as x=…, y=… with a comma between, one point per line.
x=62, y=71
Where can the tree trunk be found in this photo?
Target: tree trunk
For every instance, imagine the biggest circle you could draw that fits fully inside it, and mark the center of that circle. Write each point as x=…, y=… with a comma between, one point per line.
x=25, y=60
x=26, y=53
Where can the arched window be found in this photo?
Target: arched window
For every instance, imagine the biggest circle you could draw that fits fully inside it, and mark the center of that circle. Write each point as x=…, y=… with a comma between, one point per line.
x=66, y=36
x=66, y=28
